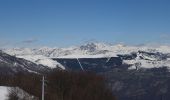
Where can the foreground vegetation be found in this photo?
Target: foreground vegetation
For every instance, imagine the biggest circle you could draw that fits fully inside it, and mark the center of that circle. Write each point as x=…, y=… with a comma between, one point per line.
x=62, y=85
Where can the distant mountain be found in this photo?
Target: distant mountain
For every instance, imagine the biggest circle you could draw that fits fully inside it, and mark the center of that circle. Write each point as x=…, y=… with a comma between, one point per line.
x=11, y=65
x=143, y=56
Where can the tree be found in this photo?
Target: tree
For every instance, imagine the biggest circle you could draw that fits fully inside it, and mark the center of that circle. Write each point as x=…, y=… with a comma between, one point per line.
x=15, y=93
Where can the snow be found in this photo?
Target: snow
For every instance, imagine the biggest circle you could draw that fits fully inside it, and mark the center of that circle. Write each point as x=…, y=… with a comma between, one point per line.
x=49, y=62
x=91, y=49
x=80, y=64
x=108, y=59
x=21, y=94
x=44, y=55
x=3, y=92
x=40, y=59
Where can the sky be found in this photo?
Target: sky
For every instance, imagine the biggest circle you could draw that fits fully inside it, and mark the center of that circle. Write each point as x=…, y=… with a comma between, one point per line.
x=61, y=23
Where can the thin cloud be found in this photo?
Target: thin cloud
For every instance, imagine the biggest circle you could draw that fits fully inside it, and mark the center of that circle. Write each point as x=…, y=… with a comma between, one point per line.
x=30, y=41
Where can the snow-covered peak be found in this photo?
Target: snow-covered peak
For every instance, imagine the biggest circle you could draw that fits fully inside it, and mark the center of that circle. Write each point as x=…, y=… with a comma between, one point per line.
x=86, y=49
x=44, y=55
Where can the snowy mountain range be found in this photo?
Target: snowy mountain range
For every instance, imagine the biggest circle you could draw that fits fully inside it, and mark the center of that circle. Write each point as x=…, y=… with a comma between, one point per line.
x=118, y=63
x=144, y=56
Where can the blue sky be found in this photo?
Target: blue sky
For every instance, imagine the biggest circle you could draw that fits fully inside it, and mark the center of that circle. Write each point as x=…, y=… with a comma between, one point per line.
x=63, y=23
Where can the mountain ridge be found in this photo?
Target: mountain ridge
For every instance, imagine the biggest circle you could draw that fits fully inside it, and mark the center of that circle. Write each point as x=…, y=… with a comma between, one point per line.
x=12, y=65
x=146, y=56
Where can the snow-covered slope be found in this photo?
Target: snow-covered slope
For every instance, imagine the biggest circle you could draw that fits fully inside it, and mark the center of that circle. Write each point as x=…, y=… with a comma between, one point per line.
x=146, y=56
x=21, y=94
x=3, y=92
x=42, y=60
x=11, y=65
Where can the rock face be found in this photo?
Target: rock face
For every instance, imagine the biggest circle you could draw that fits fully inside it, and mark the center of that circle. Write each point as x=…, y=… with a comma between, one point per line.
x=11, y=65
